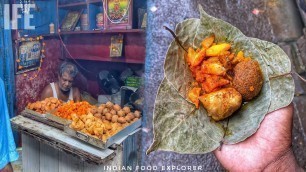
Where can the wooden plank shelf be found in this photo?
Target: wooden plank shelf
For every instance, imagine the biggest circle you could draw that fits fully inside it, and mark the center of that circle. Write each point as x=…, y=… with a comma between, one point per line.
x=94, y=1
x=112, y=59
x=48, y=35
x=72, y=5
x=96, y=47
x=104, y=31
x=123, y=31
x=79, y=3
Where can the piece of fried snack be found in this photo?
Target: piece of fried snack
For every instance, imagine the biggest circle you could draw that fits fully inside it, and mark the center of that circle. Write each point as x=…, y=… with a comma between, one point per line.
x=223, y=78
x=193, y=96
x=248, y=79
x=221, y=104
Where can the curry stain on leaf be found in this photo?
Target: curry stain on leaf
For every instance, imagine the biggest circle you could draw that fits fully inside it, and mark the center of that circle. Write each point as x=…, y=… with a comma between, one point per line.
x=192, y=134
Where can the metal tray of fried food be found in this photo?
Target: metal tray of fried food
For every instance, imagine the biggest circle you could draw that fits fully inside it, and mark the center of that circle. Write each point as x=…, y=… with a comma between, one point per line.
x=41, y=118
x=100, y=143
x=50, y=115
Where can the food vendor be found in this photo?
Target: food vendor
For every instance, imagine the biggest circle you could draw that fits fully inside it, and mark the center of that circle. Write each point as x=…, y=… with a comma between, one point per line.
x=62, y=89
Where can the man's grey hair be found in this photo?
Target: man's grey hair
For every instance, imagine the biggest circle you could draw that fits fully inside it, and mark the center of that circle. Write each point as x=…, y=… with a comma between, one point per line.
x=69, y=68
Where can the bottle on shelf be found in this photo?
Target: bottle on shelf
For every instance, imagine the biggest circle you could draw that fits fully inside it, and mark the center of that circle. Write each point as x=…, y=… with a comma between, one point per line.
x=100, y=21
x=84, y=21
x=51, y=27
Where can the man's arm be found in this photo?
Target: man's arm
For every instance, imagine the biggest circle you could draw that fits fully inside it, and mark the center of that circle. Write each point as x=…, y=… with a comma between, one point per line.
x=46, y=93
x=76, y=95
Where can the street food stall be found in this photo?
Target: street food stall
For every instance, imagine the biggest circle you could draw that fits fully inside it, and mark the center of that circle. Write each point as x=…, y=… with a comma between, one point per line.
x=105, y=39
x=47, y=139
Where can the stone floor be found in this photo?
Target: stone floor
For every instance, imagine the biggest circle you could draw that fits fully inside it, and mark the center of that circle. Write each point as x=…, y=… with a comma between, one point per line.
x=255, y=19
x=299, y=130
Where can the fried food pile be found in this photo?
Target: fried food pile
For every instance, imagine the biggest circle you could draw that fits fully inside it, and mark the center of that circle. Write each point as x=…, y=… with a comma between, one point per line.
x=90, y=125
x=67, y=109
x=45, y=105
x=223, y=79
x=104, y=121
x=114, y=113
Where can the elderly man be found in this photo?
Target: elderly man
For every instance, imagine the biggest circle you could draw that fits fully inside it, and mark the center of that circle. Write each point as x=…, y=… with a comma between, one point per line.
x=8, y=151
x=62, y=89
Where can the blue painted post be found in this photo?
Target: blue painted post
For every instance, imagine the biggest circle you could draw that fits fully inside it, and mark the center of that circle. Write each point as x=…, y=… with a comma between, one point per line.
x=7, y=64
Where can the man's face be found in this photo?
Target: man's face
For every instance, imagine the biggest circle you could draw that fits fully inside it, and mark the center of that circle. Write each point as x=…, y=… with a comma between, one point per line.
x=65, y=82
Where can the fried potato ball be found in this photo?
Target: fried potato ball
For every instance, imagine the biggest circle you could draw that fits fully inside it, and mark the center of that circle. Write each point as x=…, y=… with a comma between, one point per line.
x=108, y=116
x=137, y=114
x=116, y=107
x=121, y=120
x=105, y=111
x=126, y=110
x=113, y=112
x=121, y=113
x=98, y=115
x=131, y=115
x=100, y=109
x=109, y=105
x=248, y=79
x=128, y=118
x=114, y=118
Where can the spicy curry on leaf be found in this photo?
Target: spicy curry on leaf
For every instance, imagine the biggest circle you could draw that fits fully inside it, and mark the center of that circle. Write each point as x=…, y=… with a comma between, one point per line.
x=223, y=79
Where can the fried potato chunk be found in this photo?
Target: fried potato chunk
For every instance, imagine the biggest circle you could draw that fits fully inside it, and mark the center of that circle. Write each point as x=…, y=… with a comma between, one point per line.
x=213, y=82
x=240, y=58
x=221, y=104
x=207, y=42
x=223, y=77
x=193, y=96
x=213, y=66
x=195, y=58
x=217, y=50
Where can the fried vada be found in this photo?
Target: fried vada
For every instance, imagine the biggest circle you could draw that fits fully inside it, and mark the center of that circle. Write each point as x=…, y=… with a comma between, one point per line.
x=248, y=79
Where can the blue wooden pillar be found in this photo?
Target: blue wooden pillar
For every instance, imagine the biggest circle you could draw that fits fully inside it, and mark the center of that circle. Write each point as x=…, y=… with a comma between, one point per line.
x=7, y=64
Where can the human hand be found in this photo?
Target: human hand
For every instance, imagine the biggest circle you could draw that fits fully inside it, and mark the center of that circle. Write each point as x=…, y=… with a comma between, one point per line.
x=269, y=149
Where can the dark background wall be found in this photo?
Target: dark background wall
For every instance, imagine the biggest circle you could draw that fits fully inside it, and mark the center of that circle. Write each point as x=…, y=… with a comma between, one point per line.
x=29, y=90
x=90, y=51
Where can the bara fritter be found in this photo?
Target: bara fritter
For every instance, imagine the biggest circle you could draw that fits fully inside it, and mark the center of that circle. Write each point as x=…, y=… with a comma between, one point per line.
x=248, y=79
